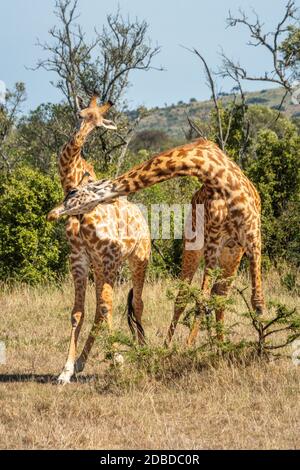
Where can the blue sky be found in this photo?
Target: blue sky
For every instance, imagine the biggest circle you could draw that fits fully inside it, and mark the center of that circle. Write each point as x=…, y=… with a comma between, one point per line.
x=192, y=23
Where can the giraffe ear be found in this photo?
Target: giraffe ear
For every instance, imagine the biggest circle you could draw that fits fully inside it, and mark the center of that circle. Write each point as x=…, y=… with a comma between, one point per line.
x=109, y=124
x=105, y=107
x=93, y=101
x=79, y=103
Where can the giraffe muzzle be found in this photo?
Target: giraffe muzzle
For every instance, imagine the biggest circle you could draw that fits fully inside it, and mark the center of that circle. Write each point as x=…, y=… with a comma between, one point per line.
x=55, y=213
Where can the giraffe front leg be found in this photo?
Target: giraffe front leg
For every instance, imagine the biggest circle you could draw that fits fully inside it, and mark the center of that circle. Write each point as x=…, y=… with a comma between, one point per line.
x=69, y=368
x=190, y=264
x=104, y=298
x=80, y=272
x=211, y=249
x=229, y=261
x=201, y=308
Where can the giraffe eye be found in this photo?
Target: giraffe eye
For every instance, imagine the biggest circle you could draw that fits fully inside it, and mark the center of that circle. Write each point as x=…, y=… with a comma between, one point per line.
x=71, y=193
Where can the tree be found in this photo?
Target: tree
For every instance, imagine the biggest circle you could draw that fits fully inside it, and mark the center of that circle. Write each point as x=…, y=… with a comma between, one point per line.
x=225, y=114
x=9, y=114
x=42, y=133
x=290, y=50
x=32, y=249
x=274, y=167
x=152, y=139
x=281, y=49
x=102, y=65
x=232, y=111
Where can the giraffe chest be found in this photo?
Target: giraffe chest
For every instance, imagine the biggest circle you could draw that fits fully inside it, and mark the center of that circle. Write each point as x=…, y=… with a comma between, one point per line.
x=111, y=230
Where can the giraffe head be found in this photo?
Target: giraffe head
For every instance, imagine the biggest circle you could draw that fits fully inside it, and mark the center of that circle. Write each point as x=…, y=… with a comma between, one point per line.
x=93, y=115
x=84, y=198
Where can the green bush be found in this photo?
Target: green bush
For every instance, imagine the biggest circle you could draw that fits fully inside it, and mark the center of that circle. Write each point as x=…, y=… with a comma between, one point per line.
x=32, y=249
x=275, y=170
x=272, y=163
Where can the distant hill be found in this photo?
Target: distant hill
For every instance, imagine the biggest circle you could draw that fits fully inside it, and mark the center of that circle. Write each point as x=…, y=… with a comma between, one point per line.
x=172, y=119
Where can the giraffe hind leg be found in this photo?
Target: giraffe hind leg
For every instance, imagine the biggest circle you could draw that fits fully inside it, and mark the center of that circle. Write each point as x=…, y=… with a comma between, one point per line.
x=228, y=259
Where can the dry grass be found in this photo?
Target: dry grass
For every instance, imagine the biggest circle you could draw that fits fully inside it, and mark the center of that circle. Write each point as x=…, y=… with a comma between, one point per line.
x=228, y=405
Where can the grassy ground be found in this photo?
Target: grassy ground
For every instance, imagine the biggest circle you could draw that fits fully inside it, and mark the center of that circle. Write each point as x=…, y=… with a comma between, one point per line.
x=175, y=402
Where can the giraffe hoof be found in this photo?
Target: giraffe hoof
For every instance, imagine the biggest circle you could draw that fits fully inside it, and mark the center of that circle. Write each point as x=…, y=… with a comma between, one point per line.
x=79, y=365
x=65, y=377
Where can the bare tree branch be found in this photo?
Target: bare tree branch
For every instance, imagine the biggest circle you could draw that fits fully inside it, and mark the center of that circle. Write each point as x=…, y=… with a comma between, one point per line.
x=102, y=65
x=9, y=114
x=212, y=87
x=224, y=126
x=193, y=129
x=130, y=134
x=280, y=73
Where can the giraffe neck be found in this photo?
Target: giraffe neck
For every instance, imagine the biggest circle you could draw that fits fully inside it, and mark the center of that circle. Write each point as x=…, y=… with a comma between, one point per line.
x=202, y=159
x=71, y=164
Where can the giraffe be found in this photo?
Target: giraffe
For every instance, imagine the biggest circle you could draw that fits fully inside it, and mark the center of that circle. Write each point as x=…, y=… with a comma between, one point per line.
x=229, y=257
x=103, y=239
x=232, y=225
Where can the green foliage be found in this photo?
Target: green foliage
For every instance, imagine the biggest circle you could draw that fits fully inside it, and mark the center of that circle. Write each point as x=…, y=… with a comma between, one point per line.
x=274, y=167
x=42, y=133
x=277, y=332
x=290, y=282
x=274, y=333
x=232, y=117
x=284, y=242
x=290, y=48
x=32, y=249
x=199, y=304
x=271, y=161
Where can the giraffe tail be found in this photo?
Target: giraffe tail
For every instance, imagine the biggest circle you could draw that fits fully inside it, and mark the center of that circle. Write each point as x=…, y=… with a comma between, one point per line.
x=131, y=318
